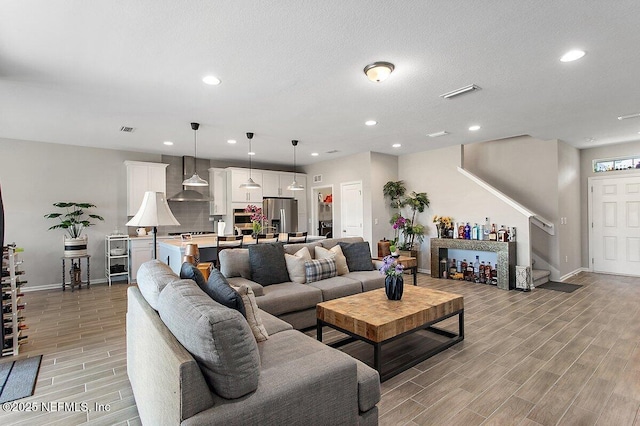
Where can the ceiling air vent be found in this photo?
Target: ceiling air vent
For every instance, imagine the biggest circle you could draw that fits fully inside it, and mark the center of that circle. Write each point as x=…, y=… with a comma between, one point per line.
x=127, y=129
x=317, y=178
x=333, y=151
x=460, y=91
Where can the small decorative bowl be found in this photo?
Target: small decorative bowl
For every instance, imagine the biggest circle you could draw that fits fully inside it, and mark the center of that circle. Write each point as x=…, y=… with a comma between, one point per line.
x=117, y=251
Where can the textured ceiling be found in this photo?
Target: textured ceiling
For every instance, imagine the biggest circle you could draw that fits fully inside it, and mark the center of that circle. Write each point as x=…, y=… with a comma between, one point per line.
x=74, y=72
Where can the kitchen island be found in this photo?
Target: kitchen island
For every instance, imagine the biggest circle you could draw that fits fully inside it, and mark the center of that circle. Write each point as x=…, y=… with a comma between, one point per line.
x=171, y=250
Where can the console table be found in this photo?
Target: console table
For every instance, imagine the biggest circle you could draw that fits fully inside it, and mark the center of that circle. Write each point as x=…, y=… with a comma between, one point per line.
x=76, y=280
x=506, y=253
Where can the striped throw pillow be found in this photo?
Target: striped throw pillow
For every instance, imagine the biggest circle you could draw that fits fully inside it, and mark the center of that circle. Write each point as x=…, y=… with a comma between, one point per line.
x=320, y=269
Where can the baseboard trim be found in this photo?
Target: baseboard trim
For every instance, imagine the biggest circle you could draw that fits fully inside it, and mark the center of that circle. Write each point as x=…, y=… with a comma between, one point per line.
x=424, y=271
x=28, y=289
x=570, y=274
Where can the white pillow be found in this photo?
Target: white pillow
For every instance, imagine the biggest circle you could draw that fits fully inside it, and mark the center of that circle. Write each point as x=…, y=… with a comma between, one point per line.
x=295, y=265
x=253, y=316
x=336, y=254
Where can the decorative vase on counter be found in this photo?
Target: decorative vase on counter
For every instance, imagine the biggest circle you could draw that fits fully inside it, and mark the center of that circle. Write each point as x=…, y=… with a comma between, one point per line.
x=221, y=226
x=75, y=246
x=393, y=286
x=192, y=250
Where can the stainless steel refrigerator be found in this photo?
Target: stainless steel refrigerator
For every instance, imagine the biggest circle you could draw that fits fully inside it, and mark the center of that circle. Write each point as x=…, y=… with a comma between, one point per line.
x=282, y=213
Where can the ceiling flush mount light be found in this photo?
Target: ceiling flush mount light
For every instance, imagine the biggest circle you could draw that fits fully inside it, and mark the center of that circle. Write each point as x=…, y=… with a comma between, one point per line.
x=626, y=117
x=379, y=71
x=460, y=91
x=572, y=55
x=250, y=184
x=231, y=141
x=295, y=186
x=371, y=122
x=211, y=80
x=195, y=180
x=396, y=145
x=474, y=128
x=436, y=134
x=168, y=143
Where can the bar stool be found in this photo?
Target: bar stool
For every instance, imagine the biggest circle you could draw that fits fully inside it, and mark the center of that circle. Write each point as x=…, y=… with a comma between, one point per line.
x=296, y=237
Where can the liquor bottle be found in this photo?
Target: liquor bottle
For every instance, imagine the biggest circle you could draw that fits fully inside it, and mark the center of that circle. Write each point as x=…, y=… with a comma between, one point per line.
x=494, y=275
x=493, y=235
x=452, y=268
x=461, y=231
x=459, y=266
x=467, y=232
x=502, y=234
x=469, y=274
x=482, y=277
x=464, y=268
x=487, y=229
x=487, y=273
x=512, y=234
x=475, y=232
x=476, y=269
x=454, y=230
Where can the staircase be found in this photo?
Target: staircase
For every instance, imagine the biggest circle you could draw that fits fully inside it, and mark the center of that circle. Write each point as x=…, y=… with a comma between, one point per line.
x=539, y=277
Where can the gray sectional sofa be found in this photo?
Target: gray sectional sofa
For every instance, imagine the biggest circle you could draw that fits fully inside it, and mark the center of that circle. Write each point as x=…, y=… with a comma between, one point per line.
x=292, y=302
x=228, y=378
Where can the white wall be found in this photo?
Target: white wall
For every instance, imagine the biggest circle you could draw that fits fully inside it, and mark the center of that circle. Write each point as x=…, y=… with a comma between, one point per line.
x=586, y=171
x=35, y=175
x=384, y=168
x=569, y=234
x=452, y=194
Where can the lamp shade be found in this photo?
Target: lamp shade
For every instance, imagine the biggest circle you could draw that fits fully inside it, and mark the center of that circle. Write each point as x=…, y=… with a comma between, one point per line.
x=154, y=211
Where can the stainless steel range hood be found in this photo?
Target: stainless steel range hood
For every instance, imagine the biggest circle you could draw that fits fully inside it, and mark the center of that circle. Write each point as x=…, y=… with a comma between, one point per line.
x=188, y=168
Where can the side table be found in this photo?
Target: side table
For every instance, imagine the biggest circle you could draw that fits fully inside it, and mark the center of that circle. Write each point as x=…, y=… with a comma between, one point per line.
x=409, y=263
x=76, y=280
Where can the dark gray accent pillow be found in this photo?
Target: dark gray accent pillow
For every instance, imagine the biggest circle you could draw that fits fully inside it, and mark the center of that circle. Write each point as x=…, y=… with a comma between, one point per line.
x=218, y=288
x=358, y=256
x=267, y=264
x=190, y=271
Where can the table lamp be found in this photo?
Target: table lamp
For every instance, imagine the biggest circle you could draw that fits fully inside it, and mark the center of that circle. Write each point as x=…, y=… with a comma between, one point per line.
x=154, y=211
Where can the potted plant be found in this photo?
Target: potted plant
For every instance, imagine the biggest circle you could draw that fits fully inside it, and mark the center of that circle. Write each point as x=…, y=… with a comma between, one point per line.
x=74, y=221
x=257, y=219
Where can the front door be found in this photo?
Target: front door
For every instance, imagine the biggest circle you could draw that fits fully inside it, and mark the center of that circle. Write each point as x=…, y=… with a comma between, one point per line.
x=615, y=225
x=351, y=210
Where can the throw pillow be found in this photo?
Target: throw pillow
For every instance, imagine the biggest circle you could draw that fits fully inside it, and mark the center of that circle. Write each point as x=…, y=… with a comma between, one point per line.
x=219, y=338
x=267, y=264
x=358, y=256
x=320, y=269
x=336, y=254
x=295, y=265
x=190, y=271
x=253, y=315
x=219, y=289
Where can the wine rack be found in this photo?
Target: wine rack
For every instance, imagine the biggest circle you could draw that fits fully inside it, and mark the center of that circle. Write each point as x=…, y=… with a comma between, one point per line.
x=13, y=326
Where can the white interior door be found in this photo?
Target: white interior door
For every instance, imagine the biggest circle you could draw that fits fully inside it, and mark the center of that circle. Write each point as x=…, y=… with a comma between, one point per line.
x=351, y=210
x=615, y=225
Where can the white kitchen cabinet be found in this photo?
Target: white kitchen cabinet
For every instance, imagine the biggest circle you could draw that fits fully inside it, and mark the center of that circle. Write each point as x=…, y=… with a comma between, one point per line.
x=235, y=178
x=218, y=191
x=143, y=177
x=301, y=196
x=140, y=251
x=270, y=184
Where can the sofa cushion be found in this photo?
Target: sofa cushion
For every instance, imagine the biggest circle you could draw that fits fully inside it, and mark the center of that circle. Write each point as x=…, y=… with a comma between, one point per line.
x=368, y=386
x=358, y=255
x=320, y=269
x=295, y=247
x=219, y=289
x=219, y=338
x=189, y=271
x=333, y=288
x=152, y=277
x=288, y=297
x=267, y=264
x=235, y=263
x=253, y=314
x=335, y=253
x=295, y=265
x=331, y=242
x=258, y=290
x=370, y=280
x=273, y=324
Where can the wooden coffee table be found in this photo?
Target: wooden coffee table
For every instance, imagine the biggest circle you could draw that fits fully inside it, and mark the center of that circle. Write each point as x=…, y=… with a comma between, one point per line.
x=374, y=319
x=409, y=263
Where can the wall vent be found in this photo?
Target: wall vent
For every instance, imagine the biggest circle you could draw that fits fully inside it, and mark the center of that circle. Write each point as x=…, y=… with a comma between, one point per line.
x=317, y=178
x=127, y=129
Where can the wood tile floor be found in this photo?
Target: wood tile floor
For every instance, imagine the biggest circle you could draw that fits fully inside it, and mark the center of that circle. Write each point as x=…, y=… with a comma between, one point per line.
x=543, y=357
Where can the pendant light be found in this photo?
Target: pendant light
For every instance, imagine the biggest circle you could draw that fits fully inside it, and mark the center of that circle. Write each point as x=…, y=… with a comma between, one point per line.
x=195, y=180
x=250, y=184
x=295, y=186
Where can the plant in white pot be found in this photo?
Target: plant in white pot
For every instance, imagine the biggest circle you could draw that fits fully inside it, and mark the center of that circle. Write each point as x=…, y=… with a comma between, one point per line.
x=74, y=221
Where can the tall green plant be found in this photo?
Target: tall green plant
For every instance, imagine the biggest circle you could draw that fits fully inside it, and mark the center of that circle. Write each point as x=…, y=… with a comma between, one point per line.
x=74, y=220
x=394, y=191
x=413, y=232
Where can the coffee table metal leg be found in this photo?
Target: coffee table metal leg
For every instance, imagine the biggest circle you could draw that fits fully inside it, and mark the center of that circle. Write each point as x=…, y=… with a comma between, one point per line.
x=415, y=273
x=319, y=330
x=63, y=272
x=377, y=357
x=461, y=325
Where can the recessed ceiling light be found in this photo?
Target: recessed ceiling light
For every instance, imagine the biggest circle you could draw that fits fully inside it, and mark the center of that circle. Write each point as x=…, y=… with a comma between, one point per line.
x=314, y=154
x=572, y=55
x=436, y=134
x=474, y=128
x=371, y=122
x=231, y=141
x=211, y=80
x=396, y=145
x=252, y=153
x=168, y=143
